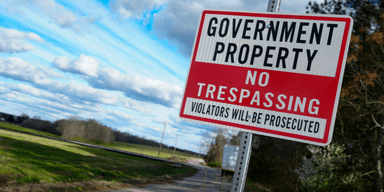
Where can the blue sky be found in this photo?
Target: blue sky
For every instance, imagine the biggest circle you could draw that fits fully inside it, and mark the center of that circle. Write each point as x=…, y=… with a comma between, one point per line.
x=121, y=62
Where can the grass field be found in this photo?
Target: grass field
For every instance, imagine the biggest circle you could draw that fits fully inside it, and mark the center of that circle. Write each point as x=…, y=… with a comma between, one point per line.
x=19, y=128
x=31, y=159
x=151, y=151
x=135, y=148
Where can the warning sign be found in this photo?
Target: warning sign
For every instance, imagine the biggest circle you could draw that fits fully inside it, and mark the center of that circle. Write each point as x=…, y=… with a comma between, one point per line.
x=271, y=74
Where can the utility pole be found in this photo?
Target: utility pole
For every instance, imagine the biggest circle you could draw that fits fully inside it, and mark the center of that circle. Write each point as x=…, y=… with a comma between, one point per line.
x=162, y=140
x=174, y=149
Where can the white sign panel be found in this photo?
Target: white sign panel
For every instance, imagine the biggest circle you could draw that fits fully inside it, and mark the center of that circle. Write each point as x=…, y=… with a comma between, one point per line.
x=272, y=74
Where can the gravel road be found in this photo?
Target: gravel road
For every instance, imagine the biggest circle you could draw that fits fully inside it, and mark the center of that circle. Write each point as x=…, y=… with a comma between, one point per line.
x=214, y=183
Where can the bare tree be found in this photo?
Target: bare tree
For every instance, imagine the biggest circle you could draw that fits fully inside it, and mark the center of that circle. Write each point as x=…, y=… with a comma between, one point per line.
x=36, y=117
x=212, y=143
x=89, y=130
x=24, y=117
x=235, y=139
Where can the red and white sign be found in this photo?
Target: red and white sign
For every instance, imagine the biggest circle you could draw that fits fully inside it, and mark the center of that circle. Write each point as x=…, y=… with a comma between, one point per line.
x=271, y=74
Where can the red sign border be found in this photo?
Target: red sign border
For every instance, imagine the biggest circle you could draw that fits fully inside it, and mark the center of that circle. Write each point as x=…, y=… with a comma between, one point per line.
x=288, y=136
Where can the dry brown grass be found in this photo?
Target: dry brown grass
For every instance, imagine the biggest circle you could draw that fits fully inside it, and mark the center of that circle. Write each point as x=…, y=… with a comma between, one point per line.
x=177, y=159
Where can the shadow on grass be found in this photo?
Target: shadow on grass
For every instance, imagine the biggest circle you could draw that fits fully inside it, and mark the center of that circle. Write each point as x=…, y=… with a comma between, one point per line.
x=147, y=168
x=40, y=162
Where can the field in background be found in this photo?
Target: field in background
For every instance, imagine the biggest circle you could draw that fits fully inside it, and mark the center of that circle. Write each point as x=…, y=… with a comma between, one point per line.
x=135, y=148
x=31, y=159
x=151, y=151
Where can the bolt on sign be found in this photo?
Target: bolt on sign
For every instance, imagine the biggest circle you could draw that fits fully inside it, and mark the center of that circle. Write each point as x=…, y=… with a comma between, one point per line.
x=270, y=74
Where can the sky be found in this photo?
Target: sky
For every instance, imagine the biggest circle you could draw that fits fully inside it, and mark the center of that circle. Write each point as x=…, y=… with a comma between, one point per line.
x=121, y=62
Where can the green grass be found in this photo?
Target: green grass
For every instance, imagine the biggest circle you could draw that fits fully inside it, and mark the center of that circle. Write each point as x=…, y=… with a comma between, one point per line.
x=31, y=159
x=19, y=128
x=215, y=164
x=251, y=185
x=150, y=150
x=135, y=148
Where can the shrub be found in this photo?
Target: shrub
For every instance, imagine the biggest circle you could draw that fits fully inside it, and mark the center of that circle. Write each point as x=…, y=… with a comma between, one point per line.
x=327, y=170
x=215, y=164
x=203, y=163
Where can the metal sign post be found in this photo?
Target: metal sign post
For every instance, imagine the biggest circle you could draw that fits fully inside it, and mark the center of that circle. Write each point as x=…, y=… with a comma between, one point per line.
x=242, y=162
x=274, y=6
x=245, y=148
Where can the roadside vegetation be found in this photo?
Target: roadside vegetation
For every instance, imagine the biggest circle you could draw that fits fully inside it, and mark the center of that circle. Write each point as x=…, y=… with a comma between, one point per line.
x=27, y=159
x=152, y=151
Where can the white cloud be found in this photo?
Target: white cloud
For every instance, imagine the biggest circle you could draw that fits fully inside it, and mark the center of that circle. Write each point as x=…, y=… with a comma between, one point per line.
x=85, y=65
x=154, y=128
x=56, y=12
x=132, y=104
x=141, y=124
x=133, y=86
x=3, y=90
x=59, y=13
x=52, y=100
x=178, y=21
x=138, y=87
x=159, y=121
x=17, y=68
x=10, y=96
x=66, y=19
x=11, y=9
x=119, y=115
x=160, y=128
x=81, y=92
x=141, y=109
x=134, y=8
x=39, y=76
x=129, y=130
x=41, y=104
x=61, y=63
x=15, y=34
x=14, y=41
x=29, y=90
